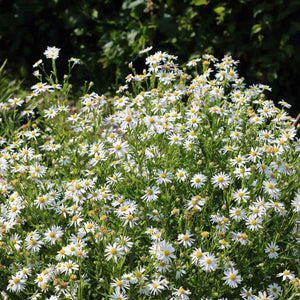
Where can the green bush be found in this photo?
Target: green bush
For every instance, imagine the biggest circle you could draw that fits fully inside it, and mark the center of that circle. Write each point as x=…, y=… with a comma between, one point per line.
x=107, y=35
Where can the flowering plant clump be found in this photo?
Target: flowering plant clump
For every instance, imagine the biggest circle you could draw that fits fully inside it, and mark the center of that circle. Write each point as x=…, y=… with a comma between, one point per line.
x=184, y=185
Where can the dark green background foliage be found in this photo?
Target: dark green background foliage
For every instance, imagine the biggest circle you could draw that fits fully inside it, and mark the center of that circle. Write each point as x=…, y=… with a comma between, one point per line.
x=107, y=35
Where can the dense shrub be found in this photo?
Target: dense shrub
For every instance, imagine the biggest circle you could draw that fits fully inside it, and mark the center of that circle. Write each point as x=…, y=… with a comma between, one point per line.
x=107, y=35
x=183, y=185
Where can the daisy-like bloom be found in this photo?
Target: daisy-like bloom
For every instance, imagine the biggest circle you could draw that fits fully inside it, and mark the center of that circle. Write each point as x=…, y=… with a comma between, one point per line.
x=195, y=203
x=69, y=267
x=114, y=252
x=285, y=104
x=118, y=295
x=53, y=234
x=274, y=289
x=278, y=207
x=175, y=139
x=16, y=241
x=37, y=63
x=257, y=210
x=124, y=242
x=197, y=255
x=223, y=244
x=181, y=175
x=24, y=273
x=52, y=298
x=52, y=52
x=254, y=223
x=240, y=237
x=236, y=135
x=36, y=73
x=27, y=153
x=15, y=102
x=254, y=154
x=16, y=284
x=182, y=294
x=271, y=189
x=241, y=195
x=146, y=50
x=193, y=62
x=186, y=239
x=37, y=171
x=208, y=262
x=193, y=121
x=51, y=112
x=163, y=177
x=264, y=296
x=119, y=148
x=296, y=203
x=232, y=278
x=240, y=160
x=237, y=213
x=242, y=172
x=151, y=194
x=130, y=220
x=162, y=267
x=76, y=61
x=180, y=270
x=247, y=294
x=120, y=285
x=35, y=296
x=286, y=274
x=198, y=180
x=117, y=177
x=221, y=180
x=64, y=160
x=165, y=252
x=229, y=264
x=34, y=243
x=229, y=148
x=156, y=286
x=272, y=249
x=89, y=227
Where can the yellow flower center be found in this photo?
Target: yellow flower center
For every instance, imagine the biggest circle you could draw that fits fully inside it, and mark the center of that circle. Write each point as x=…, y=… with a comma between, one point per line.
x=113, y=251
x=129, y=217
x=185, y=237
x=199, y=254
x=16, y=280
x=232, y=277
x=119, y=283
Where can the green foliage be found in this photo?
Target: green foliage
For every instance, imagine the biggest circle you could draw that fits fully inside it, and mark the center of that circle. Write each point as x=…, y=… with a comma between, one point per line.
x=7, y=86
x=107, y=35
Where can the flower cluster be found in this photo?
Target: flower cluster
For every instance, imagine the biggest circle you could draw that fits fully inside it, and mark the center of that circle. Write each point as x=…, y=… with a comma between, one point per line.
x=181, y=186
